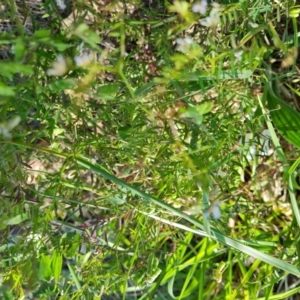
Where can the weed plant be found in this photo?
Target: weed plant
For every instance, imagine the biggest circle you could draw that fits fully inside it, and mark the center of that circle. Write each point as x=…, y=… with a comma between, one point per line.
x=135, y=160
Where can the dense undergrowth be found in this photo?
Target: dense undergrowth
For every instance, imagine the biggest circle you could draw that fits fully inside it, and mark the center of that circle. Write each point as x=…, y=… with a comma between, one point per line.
x=150, y=151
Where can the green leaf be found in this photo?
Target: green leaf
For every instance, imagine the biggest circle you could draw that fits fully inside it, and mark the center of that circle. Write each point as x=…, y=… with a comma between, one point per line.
x=61, y=85
x=192, y=113
x=196, y=112
x=204, y=108
x=117, y=200
x=73, y=241
x=56, y=264
x=294, y=11
x=220, y=74
x=286, y=119
x=236, y=74
x=75, y=277
x=42, y=34
x=45, y=270
x=291, y=189
x=108, y=91
x=144, y=88
x=252, y=33
x=20, y=50
x=240, y=245
x=8, y=69
x=3, y=248
x=17, y=219
x=6, y=90
x=86, y=257
x=45, y=37
x=83, y=32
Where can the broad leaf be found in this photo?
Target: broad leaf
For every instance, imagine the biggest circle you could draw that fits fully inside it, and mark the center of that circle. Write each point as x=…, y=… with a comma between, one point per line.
x=56, y=265
x=286, y=119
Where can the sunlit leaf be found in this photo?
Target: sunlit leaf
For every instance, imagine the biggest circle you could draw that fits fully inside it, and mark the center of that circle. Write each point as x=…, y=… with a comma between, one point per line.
x=294, y=11
x=56, y=264
x=204, y=108
x=6, y=90
x=45, y=270
x=74, y=276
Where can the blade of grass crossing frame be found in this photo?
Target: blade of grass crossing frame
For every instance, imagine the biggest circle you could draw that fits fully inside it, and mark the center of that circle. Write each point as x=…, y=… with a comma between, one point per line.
x=75, y=277
x=215, y=234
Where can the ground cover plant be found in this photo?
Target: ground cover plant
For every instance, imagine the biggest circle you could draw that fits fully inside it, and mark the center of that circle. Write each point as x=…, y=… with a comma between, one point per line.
x=149, y=150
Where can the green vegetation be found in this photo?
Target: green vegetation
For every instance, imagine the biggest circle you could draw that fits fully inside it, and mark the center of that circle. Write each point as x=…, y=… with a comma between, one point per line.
x=135, y=161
